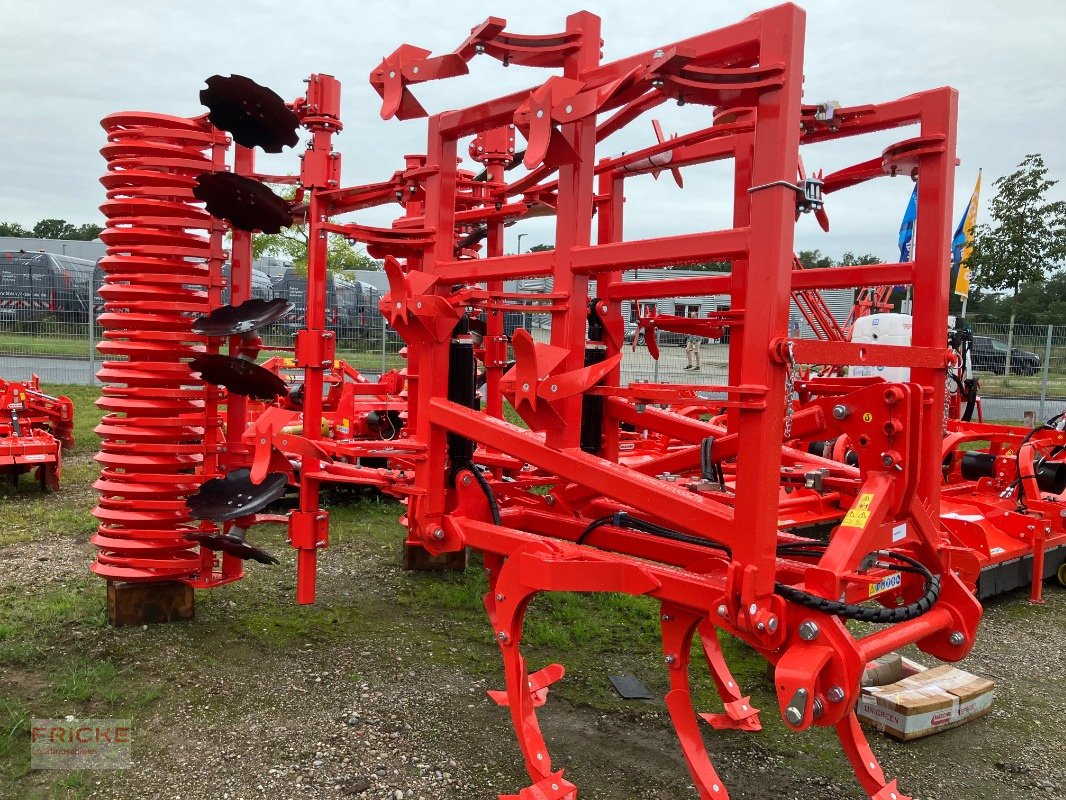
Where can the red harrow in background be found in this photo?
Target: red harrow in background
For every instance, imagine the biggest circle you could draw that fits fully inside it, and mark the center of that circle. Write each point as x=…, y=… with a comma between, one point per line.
x=774, y=507
x=35, y=429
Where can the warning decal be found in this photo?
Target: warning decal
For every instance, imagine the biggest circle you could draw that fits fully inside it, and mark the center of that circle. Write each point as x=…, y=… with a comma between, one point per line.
x=859, y=514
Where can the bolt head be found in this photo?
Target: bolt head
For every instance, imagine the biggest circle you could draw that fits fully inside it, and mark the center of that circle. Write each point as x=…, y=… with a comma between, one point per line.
x=835, y=694
x=722, y=610
x=840, y=412
x=772, y=624
x=438, y=534
x=499, y=598
x=887, y=460
x=794, y=716
x=808, y=631
x=466, y=480
x=957, y=639
x=502, y=636
x=669, y=659
x=752, y=608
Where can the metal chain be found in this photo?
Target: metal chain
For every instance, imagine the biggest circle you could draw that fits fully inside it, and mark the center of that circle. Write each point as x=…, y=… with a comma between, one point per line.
x=789, y=387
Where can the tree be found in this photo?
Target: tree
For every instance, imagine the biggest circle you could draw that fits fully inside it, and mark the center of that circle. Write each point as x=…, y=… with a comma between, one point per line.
x=812, y=259
x=1027, y=236
x=291, y=244
x=540, y=248
x=13, y=229
x=53, y=229
x=849, y=259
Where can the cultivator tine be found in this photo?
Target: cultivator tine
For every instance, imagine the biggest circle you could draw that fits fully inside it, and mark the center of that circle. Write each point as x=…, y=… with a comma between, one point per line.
x=864, y=762
x=739, y=712
x=253, y=114
x=539, y=683
x=678, y=627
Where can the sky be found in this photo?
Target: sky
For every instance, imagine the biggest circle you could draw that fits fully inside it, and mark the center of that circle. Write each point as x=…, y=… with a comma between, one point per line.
x=65, y=64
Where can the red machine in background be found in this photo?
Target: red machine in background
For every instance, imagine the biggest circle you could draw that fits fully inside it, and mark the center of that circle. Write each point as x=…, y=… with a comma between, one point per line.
x=775, y=507
x=35, y=429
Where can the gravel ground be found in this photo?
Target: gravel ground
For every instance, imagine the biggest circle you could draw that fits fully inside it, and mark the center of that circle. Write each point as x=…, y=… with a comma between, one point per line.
x=372, y=717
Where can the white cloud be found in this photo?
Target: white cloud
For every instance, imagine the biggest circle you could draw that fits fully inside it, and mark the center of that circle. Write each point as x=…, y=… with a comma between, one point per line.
x=65, y=65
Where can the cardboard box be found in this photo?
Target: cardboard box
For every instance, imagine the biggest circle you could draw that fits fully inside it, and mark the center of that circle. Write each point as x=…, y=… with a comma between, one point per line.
x=926, y=703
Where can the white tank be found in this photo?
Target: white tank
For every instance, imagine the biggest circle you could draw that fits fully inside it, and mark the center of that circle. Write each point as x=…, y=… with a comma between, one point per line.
x=883, y=329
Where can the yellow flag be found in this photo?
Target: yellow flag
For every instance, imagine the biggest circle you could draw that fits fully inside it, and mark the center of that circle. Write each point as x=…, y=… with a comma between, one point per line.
x=962, y=244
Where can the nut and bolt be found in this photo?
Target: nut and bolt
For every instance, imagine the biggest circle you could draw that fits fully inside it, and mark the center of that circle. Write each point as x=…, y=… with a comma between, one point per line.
x=835, y=694
x=466, y=480
x=887, y=459
x=793, y=715
x=772, y=624
x=502, y=636
x=722, y=610
x=841, y=412
x=808, y=631
x=669, y=659
x=957, y=639
x=438, y=534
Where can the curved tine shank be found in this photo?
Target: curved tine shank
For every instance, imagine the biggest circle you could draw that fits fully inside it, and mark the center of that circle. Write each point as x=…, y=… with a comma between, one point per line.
x=864, y=762
x=678, y=627
x=739, y=713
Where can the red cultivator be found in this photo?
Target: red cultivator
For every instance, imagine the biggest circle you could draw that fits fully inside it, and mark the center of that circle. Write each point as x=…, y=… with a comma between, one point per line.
x=772, y=508
x=34, y=431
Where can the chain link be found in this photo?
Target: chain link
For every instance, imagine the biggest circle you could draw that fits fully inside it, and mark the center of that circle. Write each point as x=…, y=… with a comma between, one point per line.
x=789, y=390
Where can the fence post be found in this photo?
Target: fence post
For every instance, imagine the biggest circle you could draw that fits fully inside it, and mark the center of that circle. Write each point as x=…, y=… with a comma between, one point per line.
x=92, y=330
x=383, y=337
x=1010, y=348
x=1043, y=381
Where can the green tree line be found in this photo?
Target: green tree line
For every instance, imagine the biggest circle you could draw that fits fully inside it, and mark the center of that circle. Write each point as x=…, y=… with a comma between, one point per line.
x=53, y=229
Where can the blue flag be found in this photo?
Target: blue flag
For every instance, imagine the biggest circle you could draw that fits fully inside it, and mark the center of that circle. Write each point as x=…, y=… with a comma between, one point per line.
x=906, y=228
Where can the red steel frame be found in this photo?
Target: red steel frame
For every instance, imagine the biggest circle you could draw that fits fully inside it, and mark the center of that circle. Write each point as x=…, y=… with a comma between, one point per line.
x=629, y=505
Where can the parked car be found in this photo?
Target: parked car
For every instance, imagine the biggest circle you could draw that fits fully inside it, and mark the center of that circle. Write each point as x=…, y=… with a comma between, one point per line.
x=990, y=355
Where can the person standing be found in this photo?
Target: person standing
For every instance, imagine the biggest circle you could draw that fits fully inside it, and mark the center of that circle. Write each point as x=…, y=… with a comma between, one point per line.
x=693, y=346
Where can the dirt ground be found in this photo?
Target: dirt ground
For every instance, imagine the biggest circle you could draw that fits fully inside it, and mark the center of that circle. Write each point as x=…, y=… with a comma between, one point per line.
x=378, y=691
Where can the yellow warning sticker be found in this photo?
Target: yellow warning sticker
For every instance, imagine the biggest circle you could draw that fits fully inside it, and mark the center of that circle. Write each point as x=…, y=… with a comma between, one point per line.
x=859, y=514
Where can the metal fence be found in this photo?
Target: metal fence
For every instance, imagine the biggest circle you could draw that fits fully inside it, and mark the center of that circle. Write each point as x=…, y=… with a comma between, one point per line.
x=61, y=348
x=1022, y=369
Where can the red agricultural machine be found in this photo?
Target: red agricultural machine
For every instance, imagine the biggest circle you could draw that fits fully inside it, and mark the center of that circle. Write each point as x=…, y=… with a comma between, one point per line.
x=34, y=431
x=776, y=507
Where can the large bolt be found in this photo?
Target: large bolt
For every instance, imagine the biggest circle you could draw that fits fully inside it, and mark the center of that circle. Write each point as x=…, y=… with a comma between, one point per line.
x=887, y=459
x=835, y=694
x=841, y=411
x=502, y=636
x=957, y=639
x=793, y=715
x=438, y=534
x=772, y=624
x=669, y=659
x=808, y=631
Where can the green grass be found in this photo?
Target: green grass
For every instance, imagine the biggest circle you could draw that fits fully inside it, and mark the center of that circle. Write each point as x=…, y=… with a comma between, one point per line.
x=46, y=343
x=1022, y=385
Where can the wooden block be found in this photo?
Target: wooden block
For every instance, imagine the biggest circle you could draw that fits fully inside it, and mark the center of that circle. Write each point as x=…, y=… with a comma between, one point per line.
x=416, y=557
x=145, y=603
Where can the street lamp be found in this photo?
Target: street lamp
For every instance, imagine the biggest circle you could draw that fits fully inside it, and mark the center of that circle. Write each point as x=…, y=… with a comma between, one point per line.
x=520, y=241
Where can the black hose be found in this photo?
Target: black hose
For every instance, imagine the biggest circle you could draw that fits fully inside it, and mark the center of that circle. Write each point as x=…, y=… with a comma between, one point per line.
x=879, y=616
x=620, y=519
x=494, y=506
